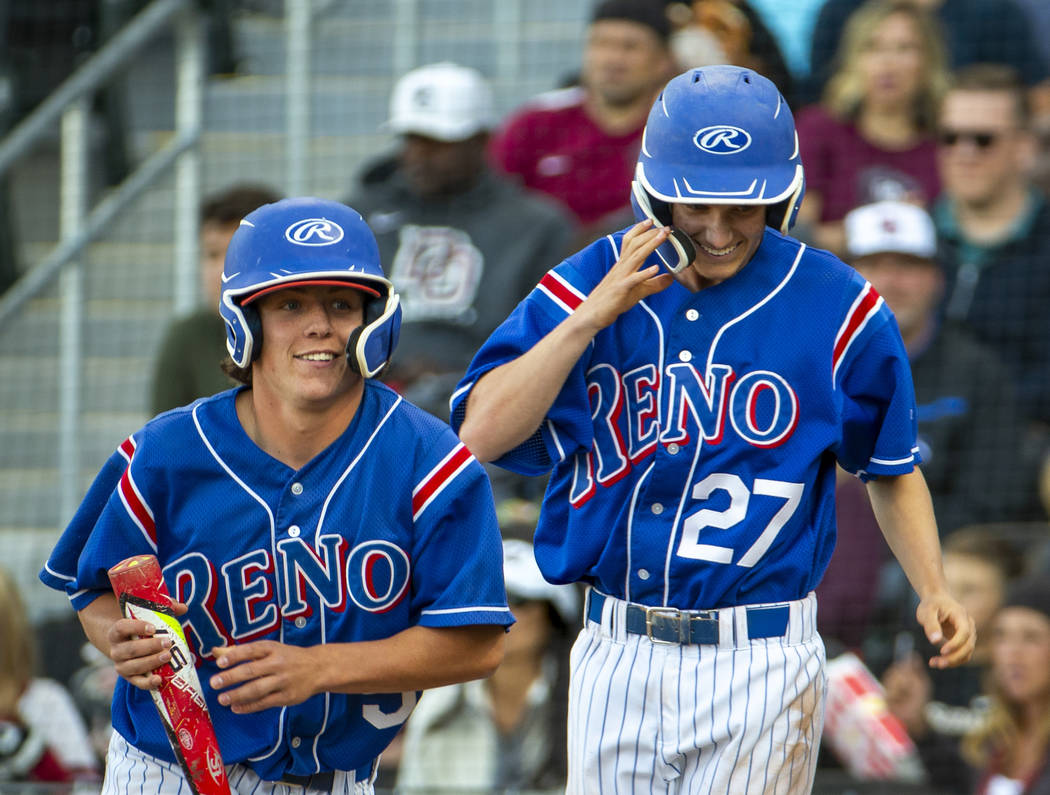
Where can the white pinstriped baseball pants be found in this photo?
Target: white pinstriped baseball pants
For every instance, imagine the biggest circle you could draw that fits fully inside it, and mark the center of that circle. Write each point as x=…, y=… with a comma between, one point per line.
x=741, y=717
x=129, y=771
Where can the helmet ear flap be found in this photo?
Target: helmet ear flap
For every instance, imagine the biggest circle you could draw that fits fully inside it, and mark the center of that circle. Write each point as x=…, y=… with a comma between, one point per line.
x=253, y=326
x=370, y=345
x=677, y=252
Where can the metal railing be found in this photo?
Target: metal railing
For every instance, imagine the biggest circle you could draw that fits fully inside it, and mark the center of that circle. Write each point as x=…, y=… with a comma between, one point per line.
x=69, y=105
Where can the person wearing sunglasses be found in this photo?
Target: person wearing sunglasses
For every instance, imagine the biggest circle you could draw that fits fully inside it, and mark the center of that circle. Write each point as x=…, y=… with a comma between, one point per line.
x=994, y=227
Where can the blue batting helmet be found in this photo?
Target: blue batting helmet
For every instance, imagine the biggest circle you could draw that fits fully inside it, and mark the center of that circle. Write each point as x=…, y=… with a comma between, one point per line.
x=308, y=241
x=717, y=135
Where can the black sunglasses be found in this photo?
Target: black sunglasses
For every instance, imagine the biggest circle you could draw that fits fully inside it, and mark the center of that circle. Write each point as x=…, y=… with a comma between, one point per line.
x=982, y=140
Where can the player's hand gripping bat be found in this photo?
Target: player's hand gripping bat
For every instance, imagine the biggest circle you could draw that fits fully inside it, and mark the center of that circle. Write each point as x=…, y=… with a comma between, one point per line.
x=140, y=589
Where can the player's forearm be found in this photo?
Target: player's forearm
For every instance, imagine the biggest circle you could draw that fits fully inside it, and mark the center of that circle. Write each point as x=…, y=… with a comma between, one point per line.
x=417, y=658
x=507, y=404
x=904, y=511
x=97, y=618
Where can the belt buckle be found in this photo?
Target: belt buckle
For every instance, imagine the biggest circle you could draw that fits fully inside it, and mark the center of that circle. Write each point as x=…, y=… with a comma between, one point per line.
x=670, y=612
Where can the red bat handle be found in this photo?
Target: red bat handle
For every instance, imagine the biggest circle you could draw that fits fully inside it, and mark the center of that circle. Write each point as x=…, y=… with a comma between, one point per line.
x=140, y=589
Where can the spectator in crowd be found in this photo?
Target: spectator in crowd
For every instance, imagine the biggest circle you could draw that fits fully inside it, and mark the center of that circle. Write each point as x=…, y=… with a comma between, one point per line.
x=937, y=707
x=464, y=243
x=42, y=734
x=709, y=32
x=967, y=419
x=975, y=31
x=1011, y=747
x=188, y=364
x=580, y=144
x=969, y=428
x=506, y=733
x=994, y=227
x=872, y=136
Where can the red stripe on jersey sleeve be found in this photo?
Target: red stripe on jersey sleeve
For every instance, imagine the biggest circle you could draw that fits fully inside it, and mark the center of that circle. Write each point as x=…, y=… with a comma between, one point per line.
x=439, y=477
x=138, y=509
x=127, y=448
x=853, y=323
x=560, y=290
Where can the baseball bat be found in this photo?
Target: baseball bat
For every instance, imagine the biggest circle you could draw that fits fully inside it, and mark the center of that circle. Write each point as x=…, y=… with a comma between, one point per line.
x=142, y=594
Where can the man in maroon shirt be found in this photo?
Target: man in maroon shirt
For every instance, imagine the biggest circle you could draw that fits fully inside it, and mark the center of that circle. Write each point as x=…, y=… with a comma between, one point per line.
x=580, y=144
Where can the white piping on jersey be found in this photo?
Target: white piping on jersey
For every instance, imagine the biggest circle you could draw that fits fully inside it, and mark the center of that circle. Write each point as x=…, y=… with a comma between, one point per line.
x=278, y=581
x=364, y=448
x=557, y=442
x=317, y=533
x=894, y=461
x=755, y=307
x=458, y=392
x=699, y=445
x=660, y=352
x=66, y=577
x=81, y=592
x=777, y=111
x=630, y=529
x=451, y=610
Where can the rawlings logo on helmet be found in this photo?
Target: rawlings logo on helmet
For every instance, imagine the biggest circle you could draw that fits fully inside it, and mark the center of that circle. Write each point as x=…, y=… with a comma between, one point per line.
x=314, y=232
x=722, y=139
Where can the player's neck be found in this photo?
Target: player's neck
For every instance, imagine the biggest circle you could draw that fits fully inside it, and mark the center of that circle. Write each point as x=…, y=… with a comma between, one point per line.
x=617, y=119
x=295, y=434
x=991, y=221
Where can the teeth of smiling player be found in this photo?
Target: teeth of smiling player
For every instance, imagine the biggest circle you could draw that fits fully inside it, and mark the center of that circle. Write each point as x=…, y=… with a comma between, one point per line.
x=718, y=252
x=317, y=357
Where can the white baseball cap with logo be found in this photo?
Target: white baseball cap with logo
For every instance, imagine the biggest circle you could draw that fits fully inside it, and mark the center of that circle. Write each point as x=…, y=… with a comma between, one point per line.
x=443, y=101
x=890, y=227
x=525, y=582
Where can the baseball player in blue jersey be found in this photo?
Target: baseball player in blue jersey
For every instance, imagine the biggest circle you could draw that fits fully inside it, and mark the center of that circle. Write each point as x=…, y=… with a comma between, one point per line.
x=693, y=382
x=334, y=548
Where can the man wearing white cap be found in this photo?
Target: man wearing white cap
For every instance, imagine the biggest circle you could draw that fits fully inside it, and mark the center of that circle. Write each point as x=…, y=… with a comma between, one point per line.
x=463, y=243
x=968, y=425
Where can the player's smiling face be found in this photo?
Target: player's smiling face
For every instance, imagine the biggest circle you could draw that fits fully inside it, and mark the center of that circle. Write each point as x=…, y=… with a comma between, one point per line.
x=726, y=236
x=304, y=333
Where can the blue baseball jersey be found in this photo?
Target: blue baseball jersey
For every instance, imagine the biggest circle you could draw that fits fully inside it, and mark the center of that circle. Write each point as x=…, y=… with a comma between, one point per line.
x=694, y=443
x=391, y=526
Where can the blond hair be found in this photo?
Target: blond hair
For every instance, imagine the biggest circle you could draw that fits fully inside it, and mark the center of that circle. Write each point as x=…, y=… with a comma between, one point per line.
x=17, y=647
x=995, y=738
x=844, y=93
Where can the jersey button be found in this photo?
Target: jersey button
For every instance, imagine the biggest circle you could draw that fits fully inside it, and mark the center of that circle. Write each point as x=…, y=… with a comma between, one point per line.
x=643, y=574
x=293, y=531
x=657, y=508
x=673, y=448
x=685, y=356
x=300, y=622
x=296, y=742
x=691, y=314
x=297, y=488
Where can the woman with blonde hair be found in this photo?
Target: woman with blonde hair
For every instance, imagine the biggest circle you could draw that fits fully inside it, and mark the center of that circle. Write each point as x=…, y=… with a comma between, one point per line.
x=42, y=735
x=1011, y=747
x=872, y=136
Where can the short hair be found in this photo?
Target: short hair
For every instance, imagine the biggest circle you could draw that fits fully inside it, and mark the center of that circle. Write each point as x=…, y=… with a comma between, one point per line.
x=844, y=91
x=231, y=204
x=987, y=543
x=650, y=13
x=996, y=77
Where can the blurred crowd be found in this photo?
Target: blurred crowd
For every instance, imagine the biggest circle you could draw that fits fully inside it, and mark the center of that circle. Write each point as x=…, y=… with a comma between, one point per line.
x=924, y=128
